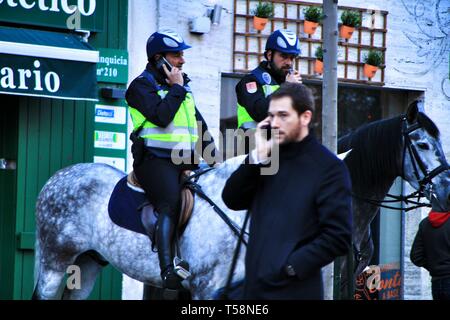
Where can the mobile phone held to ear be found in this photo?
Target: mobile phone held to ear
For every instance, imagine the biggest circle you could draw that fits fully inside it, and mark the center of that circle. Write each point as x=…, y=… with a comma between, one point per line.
x=159, y=65
x=267, y=131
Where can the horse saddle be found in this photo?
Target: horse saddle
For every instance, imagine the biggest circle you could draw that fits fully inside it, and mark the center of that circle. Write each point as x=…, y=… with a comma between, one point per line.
x=129, y=208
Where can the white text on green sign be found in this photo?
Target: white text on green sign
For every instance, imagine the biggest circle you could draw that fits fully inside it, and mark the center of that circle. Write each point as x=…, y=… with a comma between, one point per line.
x=112, y=66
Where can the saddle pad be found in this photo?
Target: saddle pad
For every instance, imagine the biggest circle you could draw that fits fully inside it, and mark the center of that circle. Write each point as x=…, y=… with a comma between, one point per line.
x=123, y=207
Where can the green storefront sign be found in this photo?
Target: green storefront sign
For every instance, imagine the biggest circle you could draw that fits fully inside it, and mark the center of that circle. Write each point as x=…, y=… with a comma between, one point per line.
x=43, y=77
x=112, y=66
x=64, y=14
x=46, y=64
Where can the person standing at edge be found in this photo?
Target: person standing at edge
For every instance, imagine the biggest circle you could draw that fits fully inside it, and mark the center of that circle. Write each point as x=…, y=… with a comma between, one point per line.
x=431, y=250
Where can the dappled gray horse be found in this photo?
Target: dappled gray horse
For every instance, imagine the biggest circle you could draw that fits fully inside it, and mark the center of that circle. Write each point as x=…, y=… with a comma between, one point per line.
x=74, y=228
x=406, y=146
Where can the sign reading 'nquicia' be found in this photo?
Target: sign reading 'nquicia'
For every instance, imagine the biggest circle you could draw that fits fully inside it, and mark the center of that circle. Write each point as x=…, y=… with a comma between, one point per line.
x=64, y=14
x=112, y=66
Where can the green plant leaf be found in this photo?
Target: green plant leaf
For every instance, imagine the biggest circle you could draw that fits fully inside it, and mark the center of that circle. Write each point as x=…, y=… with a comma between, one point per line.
x=374, y=58
x=313, y=14
x=319, y=53
x=351, y=18
x=264, y=10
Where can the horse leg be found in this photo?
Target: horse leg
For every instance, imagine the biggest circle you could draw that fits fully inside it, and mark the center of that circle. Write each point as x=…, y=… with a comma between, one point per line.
x=48, y=284
x=346, y=276
x=361, y=255
x=90, y=265
x=365, y=253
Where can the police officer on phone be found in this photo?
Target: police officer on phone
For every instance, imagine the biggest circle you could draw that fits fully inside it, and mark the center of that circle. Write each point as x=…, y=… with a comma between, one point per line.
x=168, y=129
x=254, y=90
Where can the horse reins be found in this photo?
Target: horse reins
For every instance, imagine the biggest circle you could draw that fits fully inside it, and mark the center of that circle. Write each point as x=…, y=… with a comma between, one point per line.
x=191, y=183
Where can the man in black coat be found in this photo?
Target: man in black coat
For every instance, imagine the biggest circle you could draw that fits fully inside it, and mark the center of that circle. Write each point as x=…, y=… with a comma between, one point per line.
x=431, y=250
x=301, y=215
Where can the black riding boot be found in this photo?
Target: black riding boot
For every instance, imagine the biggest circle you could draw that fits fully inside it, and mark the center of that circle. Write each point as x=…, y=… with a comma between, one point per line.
x=164, y=237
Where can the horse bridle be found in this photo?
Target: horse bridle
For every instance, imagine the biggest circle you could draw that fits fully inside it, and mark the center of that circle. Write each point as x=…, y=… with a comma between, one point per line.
x=416, y=161
x=425, y=183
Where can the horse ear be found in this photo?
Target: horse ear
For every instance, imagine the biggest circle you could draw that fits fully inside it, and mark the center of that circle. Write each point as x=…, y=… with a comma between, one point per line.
x=344, y=155
x=413, y=111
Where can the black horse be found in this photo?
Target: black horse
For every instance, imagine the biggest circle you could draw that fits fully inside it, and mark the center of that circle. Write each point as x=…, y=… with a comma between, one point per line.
x=406, y=146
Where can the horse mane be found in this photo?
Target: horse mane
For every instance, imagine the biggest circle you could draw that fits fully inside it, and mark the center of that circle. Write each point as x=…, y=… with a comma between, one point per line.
x=376, y=148
x=428, y=125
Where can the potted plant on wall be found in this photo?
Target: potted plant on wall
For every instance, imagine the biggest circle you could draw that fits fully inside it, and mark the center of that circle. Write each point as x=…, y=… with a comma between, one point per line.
x=350, y=21
x=313, y=15
x=261, y=15
x=318, y=64
x=371, y=63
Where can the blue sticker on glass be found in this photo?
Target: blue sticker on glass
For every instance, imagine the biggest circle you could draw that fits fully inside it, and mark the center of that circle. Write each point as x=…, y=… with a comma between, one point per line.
x=105, y=113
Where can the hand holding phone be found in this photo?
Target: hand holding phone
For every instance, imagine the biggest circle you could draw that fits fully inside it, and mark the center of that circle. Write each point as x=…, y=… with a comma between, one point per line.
x=294, y=76
x=267, y=131
x=173, y=74
x=263, y=140
x=161, y=62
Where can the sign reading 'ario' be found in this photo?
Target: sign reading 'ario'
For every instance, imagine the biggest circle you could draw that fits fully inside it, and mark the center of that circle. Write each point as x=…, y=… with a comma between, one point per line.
x=29, y=76
x=64, y=14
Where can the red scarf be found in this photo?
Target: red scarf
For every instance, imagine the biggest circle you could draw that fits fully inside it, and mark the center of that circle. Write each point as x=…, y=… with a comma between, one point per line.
x=437, y=219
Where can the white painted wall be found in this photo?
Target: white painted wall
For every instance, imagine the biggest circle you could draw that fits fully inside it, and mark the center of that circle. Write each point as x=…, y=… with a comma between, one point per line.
x=142, y=23
x=417, y=57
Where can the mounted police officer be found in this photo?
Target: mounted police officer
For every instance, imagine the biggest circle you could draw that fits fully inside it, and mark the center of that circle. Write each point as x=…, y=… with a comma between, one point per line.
x=253, y=91
x=167, y=129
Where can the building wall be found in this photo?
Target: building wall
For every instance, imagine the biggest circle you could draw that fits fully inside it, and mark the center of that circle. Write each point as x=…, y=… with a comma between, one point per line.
x=142, y=22
x=417, y=58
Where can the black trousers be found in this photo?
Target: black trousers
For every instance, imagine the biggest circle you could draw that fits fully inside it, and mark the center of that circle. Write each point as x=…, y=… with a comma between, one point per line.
x=159, y=177
x=441, y=289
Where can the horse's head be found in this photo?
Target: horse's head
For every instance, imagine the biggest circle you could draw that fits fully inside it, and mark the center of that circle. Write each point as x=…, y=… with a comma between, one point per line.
x=424, y=164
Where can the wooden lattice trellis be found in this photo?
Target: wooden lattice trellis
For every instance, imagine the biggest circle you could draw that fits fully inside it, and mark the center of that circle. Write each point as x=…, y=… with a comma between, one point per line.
x=248, y=44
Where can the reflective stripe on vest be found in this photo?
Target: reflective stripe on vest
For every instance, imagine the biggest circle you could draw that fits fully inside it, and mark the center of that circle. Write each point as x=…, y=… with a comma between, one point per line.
x=181, y=133
x=245, y=121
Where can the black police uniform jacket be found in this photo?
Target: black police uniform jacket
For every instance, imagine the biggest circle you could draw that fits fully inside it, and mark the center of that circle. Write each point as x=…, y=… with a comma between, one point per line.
x=143, y=96
x=256, y=103
x=300, y=216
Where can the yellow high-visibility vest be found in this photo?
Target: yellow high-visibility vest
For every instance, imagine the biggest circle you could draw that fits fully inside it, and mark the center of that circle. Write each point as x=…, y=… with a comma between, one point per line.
x=269, y=85
x=180, y=134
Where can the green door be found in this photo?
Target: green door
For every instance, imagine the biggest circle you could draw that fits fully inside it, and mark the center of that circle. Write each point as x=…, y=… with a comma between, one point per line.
x=8, y=184
x=43, y=136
